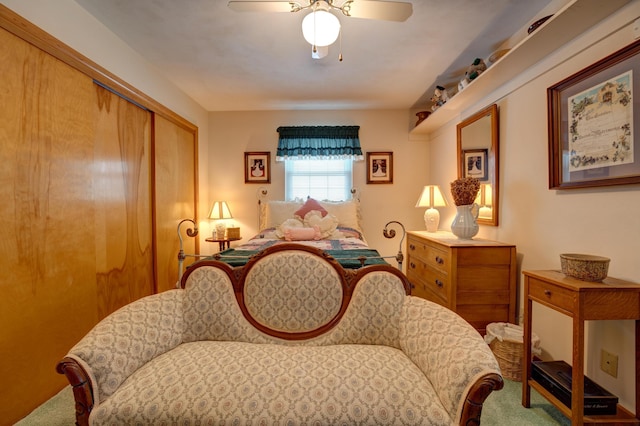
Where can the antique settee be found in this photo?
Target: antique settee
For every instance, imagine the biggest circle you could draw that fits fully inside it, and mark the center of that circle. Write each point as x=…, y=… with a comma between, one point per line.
x=290, y=338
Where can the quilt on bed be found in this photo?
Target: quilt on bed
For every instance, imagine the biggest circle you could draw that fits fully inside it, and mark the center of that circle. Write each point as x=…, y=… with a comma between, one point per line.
x=347, y=251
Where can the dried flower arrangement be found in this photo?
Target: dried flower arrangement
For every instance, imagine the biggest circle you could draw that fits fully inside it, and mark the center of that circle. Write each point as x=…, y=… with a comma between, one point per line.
x=465, y=190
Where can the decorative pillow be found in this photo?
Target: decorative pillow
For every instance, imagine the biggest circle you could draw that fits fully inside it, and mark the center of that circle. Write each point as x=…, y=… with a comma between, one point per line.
x=309, y=205
x=273, y=213
x=347, y=212
x=287, y=224
x=327, y=224
x=302, y=234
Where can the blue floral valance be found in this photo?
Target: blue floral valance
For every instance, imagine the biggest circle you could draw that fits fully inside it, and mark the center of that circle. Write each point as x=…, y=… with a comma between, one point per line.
x=319, y=142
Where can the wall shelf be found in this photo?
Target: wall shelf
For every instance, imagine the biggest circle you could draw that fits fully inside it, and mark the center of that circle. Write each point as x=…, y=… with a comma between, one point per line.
x=570, y=21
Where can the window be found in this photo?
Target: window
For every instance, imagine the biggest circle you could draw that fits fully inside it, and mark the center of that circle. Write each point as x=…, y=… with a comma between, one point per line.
x=320, y=179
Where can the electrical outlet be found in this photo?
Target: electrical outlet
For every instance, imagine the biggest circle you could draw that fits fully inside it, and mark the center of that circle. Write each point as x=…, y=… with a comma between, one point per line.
x=609, y=363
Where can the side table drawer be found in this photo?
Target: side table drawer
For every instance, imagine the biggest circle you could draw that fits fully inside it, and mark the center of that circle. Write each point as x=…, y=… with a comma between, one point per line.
x=551, y=295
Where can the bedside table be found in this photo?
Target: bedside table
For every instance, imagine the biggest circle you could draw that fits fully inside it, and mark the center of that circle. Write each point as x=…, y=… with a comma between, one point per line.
x=474, y=278
x=222, y=242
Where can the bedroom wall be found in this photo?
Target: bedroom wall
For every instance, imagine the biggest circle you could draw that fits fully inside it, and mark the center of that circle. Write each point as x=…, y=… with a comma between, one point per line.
x=544, y=223
x=233, y=133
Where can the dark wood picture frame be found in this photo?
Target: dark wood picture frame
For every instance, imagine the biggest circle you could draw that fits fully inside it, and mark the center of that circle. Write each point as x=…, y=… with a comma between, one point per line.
x=257, y=167
x=475, y=163
x=380, y=167
x=588, y=148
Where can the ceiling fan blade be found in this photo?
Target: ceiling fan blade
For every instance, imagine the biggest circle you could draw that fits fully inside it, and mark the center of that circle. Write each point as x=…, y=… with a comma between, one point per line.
x=264, y=6
x=384, y=10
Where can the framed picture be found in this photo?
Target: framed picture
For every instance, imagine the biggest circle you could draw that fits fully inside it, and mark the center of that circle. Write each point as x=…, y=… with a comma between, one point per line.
x=257, y=167
x=475, y=164
x=379, y=167
x=591, y=123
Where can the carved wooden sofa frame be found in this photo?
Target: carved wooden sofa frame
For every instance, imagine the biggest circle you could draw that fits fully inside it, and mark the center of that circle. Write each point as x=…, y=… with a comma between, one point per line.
x=359, y=303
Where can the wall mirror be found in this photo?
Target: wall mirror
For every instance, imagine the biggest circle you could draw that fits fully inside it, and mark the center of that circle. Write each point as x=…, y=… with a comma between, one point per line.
x=478, y=148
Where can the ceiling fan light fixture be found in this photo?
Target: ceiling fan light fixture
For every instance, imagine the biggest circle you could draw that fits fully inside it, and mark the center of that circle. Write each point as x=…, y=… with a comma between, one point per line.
x=320, y=28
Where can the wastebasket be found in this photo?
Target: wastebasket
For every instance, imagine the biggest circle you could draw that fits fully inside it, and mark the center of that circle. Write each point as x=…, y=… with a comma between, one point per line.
x=506, y=343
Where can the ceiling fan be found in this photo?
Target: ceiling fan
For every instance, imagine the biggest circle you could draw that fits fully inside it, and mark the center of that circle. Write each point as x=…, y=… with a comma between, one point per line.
x=367, y=9
x=320, y=27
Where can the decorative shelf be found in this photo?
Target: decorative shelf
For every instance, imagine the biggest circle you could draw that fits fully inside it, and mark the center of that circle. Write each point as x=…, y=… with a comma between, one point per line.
x=570, y=21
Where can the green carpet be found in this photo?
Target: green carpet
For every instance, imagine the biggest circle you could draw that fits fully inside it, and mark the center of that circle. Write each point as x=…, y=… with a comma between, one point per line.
x=502, y=408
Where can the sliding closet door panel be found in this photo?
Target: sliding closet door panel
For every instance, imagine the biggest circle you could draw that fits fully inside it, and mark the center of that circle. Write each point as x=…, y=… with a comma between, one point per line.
x=122, y=182
x=175, y=196
x=47, y=221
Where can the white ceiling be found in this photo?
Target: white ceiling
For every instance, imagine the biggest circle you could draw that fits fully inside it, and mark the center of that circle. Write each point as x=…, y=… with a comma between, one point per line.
x=232, y=61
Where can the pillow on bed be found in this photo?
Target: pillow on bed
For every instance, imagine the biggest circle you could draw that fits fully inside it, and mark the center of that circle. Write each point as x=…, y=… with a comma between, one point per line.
x=289, y=223
x=273, y=213
x=347, y=212
x=302, y=234
x=308, y=206
x=327, y=224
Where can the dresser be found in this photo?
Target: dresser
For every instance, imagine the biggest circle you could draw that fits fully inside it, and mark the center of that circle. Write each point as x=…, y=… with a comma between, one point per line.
x=474, y=278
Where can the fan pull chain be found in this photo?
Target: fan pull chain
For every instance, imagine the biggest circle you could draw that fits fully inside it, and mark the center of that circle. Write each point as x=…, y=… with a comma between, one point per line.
x=340, y=36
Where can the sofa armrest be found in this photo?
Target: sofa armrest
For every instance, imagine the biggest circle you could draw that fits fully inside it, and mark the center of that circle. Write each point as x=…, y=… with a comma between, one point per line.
x=452, y=354
x=124, y=341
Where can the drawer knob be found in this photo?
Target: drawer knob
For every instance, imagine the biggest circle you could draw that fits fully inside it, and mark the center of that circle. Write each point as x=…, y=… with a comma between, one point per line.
x=412, y=247
x=413, y=265
x=439, y=260
x=439, y=283
x=547, y=293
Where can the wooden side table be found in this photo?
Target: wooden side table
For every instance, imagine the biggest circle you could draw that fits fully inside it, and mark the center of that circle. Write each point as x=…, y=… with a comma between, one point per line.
x=612, y=299
x=222, y=242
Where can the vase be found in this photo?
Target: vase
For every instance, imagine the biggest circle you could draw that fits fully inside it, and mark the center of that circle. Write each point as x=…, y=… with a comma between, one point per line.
x=464, y=225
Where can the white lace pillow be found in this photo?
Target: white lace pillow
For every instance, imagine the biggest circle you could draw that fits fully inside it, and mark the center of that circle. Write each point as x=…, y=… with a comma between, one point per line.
x=273, y=213
x=327, y=224
x=347, y=212
x=287, y=224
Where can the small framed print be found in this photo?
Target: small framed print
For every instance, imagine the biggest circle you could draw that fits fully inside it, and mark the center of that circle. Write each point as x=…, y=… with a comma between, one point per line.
x=379, y=167
x=257, y=167
x=475, y=164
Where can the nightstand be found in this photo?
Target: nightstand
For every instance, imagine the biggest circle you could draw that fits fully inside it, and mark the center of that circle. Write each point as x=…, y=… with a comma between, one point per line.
x=474, y=278
x=222, y=242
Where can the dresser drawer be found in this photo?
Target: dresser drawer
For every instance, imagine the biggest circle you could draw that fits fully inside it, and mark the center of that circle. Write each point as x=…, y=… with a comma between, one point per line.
x=430, y=254
x=552, y=295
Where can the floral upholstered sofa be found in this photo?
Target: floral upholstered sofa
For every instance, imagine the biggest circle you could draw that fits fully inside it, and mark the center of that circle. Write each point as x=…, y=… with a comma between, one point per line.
x=290, y=338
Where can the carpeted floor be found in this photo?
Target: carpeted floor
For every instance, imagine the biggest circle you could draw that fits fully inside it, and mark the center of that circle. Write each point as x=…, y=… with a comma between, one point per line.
x=501, y=408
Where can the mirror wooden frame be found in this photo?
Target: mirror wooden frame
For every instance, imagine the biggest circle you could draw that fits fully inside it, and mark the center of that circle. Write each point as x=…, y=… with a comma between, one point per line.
x=490, y=163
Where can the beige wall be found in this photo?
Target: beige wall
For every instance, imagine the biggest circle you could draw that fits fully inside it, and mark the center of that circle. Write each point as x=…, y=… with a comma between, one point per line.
x=544, y=223
x=233, y=133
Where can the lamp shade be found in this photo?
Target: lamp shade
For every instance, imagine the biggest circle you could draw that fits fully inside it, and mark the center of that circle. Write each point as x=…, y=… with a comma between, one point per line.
x=220, y=210
x=431, y=197
x=320, y=28
x=485, y=194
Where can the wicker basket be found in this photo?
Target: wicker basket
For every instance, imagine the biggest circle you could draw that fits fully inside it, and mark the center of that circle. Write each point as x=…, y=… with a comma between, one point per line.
x=233, y=232
x=508, y=349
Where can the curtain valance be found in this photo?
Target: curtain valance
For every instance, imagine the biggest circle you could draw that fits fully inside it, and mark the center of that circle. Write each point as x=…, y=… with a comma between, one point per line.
x=318, y=142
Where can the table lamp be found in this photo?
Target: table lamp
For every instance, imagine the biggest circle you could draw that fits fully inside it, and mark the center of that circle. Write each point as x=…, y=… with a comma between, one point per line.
x=484, y=200
x=219, y=212
x=431, y=197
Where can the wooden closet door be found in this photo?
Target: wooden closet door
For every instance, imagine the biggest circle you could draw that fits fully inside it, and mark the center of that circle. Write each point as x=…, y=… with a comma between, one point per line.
x=122, y=183
x=175, y=178
x=47, y=221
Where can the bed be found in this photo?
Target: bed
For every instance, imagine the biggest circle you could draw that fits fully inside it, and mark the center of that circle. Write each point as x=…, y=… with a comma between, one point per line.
x=332, y=226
